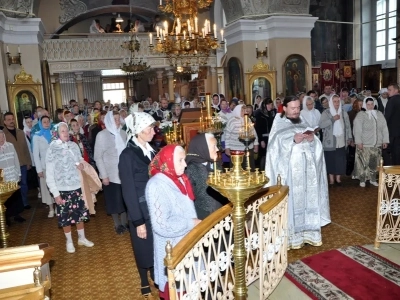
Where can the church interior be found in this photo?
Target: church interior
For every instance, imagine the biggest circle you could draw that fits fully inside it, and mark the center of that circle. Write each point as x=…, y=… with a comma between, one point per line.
x=103, y=50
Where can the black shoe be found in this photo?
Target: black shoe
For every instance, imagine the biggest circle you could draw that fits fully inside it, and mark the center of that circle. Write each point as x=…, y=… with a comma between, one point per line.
x=19, y=219
x=27, y=206
x=120, y=229
x=92, y=215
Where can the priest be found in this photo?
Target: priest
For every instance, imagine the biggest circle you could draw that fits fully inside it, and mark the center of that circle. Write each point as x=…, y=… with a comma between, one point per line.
x=297, y=156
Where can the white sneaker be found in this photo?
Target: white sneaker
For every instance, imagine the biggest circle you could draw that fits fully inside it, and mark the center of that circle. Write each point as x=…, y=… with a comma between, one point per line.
x=374, y=183
x=362, y=184
x=85, y=242
x=51, y=214
x=353, y=177
x=70, y=248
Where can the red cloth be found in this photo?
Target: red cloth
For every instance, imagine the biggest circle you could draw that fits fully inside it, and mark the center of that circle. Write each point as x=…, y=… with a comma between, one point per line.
x=280, y=108
x=163, y=162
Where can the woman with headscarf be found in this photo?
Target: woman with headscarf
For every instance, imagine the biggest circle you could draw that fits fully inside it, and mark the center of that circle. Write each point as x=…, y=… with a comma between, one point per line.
x=169, y=197
x=215, y=101
x=63, y=162
x=97, y=126
x=133, y=170
x=77, y=137
x=110, y=142
x=337, y=135
x=234, y=126
x=310, y=114
x=9, y=163
x=201, y=155
x=40, y=144
x=95, y=27
x=383, y=100
x=278, y=105
x=370, y=136
x=264, y=120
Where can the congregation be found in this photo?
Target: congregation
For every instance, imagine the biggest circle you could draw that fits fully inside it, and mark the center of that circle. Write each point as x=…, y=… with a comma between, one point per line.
x=157, y=192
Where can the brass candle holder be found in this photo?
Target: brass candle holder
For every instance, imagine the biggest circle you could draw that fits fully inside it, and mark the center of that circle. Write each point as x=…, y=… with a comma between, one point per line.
x=6, y=190
x=175, y=136
x=238, y=185
x=246, y=136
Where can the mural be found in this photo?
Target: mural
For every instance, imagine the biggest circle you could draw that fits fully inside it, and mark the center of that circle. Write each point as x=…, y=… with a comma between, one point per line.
x=295, y=72
x=235, y=82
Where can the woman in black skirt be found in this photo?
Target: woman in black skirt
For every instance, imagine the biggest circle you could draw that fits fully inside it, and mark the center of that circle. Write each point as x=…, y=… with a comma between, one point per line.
x=133, y=169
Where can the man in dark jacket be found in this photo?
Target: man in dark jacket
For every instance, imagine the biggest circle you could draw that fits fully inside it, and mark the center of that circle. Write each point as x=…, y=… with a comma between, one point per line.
x=392, y=115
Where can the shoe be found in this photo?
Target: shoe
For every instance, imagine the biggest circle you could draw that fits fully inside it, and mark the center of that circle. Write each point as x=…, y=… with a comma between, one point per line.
x=51, y=214
x=70, y=248
x=19, y=219
x=27, y=206
x=353, y=177
x=374, y=183
x=39, y=195
x=85, y=242
x=362, y=184
x=338, y=183
x=120, y=229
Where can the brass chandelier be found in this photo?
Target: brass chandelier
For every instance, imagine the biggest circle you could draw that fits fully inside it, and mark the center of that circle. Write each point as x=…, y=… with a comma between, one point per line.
x=185, y=45
x=134, y=66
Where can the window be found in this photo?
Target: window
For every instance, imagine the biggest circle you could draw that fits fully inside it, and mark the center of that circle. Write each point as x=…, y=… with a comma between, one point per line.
x=115, y=92
x=385, y=29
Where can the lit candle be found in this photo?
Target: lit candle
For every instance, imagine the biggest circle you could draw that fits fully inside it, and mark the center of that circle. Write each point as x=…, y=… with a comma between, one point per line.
x=215, y=31
x=160, y=2
x=176, y=31
x=203, y=30
x=256, y=46
x=196, y=29
x=158, y=31
x=166, y=26
x=209, y=26
x=222, y=34
x=151, y=38
x=184, y=34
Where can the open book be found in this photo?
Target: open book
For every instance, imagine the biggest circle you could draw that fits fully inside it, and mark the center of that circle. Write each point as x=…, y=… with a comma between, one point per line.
x=309, y=130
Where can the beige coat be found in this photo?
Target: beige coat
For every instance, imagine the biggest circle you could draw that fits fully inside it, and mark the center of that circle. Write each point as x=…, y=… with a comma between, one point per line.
x=20, y=145
x=91, y=185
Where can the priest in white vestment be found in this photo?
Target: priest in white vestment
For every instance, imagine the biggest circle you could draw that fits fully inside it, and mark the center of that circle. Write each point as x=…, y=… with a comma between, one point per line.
x=298, y=157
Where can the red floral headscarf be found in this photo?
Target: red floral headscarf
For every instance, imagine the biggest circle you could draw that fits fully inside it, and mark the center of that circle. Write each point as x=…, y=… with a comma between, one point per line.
x=163, y=162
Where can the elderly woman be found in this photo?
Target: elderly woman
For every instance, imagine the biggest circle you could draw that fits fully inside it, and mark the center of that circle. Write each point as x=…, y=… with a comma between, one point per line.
x=336, y=132
x=201, y=155
x=133, y=169
x=309, y=113
x=170, y=200
x=232, y=130
x=63, y=162
x=176, y=112
x=40, y=145
x=371, y=136
x=110, y=142
x=9, y=163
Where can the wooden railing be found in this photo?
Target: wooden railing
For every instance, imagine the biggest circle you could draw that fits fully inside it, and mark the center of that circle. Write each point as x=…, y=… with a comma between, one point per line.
x=201, y=265
x=388, y=210
x=25, y=272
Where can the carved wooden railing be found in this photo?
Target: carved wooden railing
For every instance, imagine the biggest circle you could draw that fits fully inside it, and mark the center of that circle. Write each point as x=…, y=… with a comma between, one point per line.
x=388, y=211
x=201, y=265
x=25, y=272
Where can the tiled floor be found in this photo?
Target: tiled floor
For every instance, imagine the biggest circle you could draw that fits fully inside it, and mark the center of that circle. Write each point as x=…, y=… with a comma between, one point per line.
x=286, y=290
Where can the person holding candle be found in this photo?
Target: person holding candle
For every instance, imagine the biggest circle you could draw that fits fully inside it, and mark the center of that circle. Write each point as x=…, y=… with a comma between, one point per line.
x=239, y=124
x=202, y=153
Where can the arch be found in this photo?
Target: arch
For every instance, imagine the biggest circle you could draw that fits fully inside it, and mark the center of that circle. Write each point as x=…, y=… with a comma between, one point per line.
x=295, y=73
x=121, y=9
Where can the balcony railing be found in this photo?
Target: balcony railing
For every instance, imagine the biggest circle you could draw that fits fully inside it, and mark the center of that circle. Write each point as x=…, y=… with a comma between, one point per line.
x=98, y=51
x=201, y=265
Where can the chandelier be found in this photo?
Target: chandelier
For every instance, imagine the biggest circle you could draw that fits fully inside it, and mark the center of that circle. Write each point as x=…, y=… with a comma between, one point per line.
x=134, y=66
x=186, y=45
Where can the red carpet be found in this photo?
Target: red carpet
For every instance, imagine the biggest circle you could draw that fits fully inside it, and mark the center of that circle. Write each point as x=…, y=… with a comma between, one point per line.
x=347, y=273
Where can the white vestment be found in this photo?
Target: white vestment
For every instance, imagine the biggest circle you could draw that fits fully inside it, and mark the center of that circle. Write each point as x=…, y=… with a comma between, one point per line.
x=301, y=167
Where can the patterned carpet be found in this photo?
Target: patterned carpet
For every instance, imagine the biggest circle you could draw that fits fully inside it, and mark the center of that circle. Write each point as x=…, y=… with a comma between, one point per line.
x=108, y=271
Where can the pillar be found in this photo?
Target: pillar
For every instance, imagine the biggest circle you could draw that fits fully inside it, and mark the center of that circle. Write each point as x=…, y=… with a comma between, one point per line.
x=57, y=93
x=170, y=76
x=79, y=87
x=214, y=81
x=221, y=81
x=159, y=83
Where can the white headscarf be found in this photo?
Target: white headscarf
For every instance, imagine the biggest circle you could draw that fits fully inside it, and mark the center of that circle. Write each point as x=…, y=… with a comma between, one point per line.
x=370, y=112
x=136, y=122
x=237, y=111
x=26, y=129
x=337, y=125
x=383, y=90
x=81, y=131
x=112, y=128
x=212, y=101
x=312, y=116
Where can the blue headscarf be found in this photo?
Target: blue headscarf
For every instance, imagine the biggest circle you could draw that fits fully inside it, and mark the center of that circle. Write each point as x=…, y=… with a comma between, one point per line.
x=46, y=133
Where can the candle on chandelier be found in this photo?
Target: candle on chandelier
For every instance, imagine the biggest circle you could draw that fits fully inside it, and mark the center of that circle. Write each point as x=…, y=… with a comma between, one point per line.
x=196, y=29
x=184, y=34
x=8, y=50
x=256, y=46
x=160, y=2
x=215, y=31
x=151, y=38
x=222, y=34
x=166, y=26
x=158, y=31
x=203, y=30
x=209, y=26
